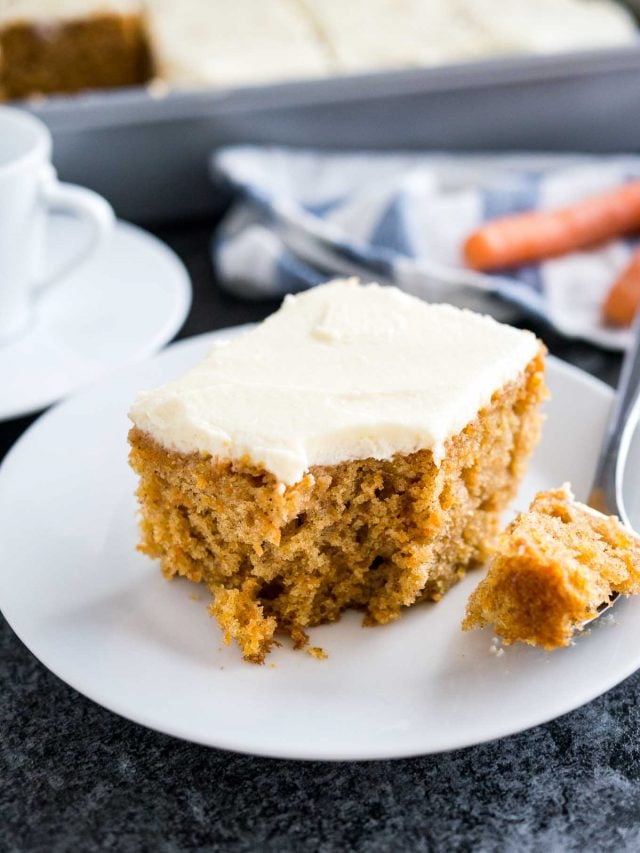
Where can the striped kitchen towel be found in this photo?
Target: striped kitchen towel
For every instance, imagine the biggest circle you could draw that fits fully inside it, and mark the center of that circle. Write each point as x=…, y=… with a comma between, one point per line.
x=301, y=217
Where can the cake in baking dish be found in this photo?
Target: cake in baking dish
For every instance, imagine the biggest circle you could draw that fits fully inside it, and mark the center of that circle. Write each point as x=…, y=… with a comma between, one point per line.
x=353, y=450
x=68, y=45
x=554, y=566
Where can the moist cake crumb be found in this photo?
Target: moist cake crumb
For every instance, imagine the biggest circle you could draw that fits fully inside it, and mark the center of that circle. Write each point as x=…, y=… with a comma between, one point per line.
x=317, y=652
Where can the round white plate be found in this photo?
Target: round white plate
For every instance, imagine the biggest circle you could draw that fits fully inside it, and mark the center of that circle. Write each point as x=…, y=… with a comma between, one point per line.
x=118, y=308
x=101, y=617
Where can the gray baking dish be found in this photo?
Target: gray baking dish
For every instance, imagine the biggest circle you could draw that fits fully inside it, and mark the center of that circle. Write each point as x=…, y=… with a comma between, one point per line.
x=149, y=153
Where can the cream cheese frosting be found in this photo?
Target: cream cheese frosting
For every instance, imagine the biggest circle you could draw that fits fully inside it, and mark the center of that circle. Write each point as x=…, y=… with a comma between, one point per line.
x=343, y=371
x=231, y=43
x=366, y=34
x=52, y=11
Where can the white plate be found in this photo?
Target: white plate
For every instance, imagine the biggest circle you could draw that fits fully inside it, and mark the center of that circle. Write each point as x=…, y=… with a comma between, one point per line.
x=101, y=617
x=120, y=307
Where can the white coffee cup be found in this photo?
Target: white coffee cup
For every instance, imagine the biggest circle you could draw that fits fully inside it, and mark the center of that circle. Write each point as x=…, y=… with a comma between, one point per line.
x=29, y=192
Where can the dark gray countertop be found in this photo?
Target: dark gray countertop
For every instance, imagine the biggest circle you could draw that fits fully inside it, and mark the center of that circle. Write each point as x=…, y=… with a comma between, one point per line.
x=76, y=777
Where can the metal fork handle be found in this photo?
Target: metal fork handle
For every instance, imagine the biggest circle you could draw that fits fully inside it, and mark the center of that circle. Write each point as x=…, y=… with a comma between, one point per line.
x=606, y=491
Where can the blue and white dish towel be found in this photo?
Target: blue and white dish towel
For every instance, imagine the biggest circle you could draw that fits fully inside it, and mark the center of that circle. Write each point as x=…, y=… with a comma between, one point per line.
x=301, y=217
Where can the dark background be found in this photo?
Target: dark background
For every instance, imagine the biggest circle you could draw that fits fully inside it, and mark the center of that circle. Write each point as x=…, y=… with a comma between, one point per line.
x=75, y=777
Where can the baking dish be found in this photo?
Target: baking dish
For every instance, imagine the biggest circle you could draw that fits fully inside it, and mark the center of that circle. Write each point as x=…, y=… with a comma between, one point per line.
x=146, y=149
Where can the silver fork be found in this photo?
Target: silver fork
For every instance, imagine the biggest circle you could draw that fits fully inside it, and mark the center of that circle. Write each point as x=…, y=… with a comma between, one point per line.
x=606, y=490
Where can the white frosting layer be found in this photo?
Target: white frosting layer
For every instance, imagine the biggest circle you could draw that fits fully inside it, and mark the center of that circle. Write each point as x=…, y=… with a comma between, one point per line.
x=52, y=11
x=233, y=42
x=344, y=371
x=545, y=26
x=369, y=34
x=365, y=34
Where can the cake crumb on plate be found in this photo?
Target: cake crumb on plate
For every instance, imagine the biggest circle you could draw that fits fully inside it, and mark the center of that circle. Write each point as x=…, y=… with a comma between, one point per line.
x=317, y=652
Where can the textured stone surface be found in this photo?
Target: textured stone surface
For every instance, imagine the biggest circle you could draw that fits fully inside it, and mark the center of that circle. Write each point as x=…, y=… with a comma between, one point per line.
x=74, y=777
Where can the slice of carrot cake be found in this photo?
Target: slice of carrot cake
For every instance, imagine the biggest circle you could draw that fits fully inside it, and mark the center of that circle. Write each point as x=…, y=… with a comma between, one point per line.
x=555, y=565
x=69, y=45
x=353, y=450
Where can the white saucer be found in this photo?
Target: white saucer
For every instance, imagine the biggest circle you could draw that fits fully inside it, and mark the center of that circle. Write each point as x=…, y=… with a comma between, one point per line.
x=118, y=308
x=101, y=617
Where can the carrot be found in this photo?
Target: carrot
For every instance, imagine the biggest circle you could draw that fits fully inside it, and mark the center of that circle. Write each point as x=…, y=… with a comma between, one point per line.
x=623, y=300
x=526, y=237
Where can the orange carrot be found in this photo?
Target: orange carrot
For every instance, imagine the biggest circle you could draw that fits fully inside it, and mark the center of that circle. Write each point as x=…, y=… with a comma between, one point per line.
x=526, y=237
x=623, y=300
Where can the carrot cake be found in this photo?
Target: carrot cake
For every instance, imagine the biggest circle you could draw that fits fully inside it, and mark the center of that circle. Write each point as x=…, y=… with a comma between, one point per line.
x=353, y=450
x=554, y=566
x=68, y=45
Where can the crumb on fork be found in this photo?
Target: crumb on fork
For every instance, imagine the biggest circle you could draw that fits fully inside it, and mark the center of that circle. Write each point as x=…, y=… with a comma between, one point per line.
x=554, y=566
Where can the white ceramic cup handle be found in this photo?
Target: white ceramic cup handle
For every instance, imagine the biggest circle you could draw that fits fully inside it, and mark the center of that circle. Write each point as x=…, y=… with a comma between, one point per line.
x=86, y=205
